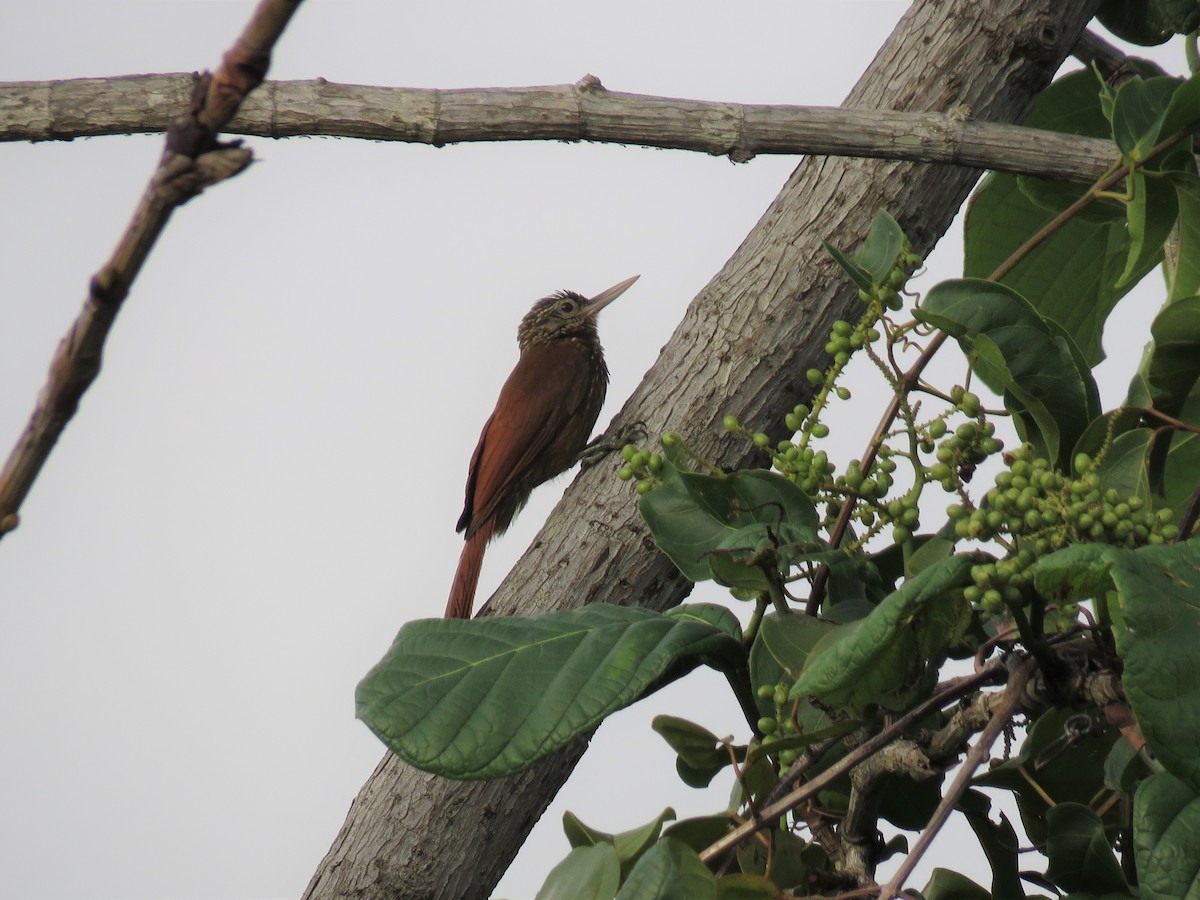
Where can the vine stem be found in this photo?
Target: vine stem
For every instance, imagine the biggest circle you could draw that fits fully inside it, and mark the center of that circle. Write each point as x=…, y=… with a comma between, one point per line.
x=1009, y=705
x=912, y=376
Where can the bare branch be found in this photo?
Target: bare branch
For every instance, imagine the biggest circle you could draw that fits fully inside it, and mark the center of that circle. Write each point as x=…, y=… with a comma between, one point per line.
x=1004, y=710
x=192, y=161
x=586, y=111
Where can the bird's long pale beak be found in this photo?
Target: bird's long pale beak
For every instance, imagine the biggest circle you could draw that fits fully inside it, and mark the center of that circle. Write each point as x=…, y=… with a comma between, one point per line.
x=604, y=298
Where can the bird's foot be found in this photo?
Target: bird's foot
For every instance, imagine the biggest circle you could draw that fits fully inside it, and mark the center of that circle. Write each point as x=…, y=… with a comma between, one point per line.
x=611, y=443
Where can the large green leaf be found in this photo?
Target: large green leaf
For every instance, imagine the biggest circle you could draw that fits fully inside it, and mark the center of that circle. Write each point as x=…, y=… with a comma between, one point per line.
x=1072, y=276
x=486, y=697
x=670, y=870
x=999, y=843
x=698, y=518
x=1182, y=473
x=1062, y=758
x=1139, y=111
x=790, y=639
x=1186, y=281
x=1166, y=836
x=1174, y=364
x=1016, y=352
x=887, y=656
x=629, y=845
x=588, y=873
x=1159, y=590
x=1076, y=572
x=946, y=884
x=1080, y=856
x=1149, y=22
x=700, y=753
x=1151, y=215
x=1125, y=467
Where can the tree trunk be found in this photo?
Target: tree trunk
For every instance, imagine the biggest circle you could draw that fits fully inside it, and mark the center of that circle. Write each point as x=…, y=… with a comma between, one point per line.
x=742, y=348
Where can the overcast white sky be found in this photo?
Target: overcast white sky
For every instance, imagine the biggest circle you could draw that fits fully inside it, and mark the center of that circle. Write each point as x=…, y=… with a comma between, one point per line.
x=263, y=483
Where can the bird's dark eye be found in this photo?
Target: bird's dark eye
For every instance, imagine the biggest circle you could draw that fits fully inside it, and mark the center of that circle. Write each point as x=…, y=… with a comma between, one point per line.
x=567, y=306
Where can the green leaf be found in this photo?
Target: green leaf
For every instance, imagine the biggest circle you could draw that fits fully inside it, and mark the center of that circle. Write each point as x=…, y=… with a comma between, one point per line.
x=932, y=551
x=480, y=698
x=1159, y=590
x=1139, y=111
x=1076, y=572
x=1070, y=278
x=719, y=617
x=1166, y=821
x=588, y=873
x=886, y=657
x=670, y=870
x=628, y=845
x=789, y=862
x=697, y=747
x=1080, y=856
x=999, y=843
x=1148, y=22
x=1124, y=768
x=1174, y=364
x=945, y=884
x=849, y=266
x=790, y=639
x=741, y=886
x=1183, y=112
x=1019, y=354
x=1186, y=280
x=1061, y=757
x=693, y=516
x=1183, y=458
x=1125, y=466
x=885, y=240
x=1151, y=215
x=699, y=831
x=1071, y=104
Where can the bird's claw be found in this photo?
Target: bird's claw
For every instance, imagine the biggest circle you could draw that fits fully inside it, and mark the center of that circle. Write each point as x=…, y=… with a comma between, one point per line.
x=607, y=443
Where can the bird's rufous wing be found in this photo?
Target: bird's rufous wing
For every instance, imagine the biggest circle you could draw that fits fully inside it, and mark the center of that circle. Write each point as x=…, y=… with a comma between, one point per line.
x=543, y=393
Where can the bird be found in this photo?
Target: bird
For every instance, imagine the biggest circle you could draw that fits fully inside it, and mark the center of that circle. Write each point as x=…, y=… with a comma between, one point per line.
x=540, y=426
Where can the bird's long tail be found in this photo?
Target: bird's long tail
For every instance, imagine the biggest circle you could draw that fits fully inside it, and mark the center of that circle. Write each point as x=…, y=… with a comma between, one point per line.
x=462, y=591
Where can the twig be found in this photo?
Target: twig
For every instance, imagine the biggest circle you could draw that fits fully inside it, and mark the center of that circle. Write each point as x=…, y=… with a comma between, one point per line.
x=978, y=753
x=191, y=162
x=777, y=805
x=584, y=111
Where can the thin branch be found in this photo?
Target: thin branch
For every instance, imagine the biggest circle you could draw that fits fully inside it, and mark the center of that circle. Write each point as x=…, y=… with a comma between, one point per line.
x=777, y=806
x=979, y=752
x=192, y=161
x=585, y=111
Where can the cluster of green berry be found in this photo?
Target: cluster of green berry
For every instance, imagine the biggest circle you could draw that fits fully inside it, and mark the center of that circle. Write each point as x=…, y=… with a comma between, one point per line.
x=1036, y=510
x=643, y=465
x=958, y=454
x=780, y=726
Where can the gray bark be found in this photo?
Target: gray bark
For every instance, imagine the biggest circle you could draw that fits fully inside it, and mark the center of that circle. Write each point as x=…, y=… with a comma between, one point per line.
x=84, y=107
x=742, y=348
